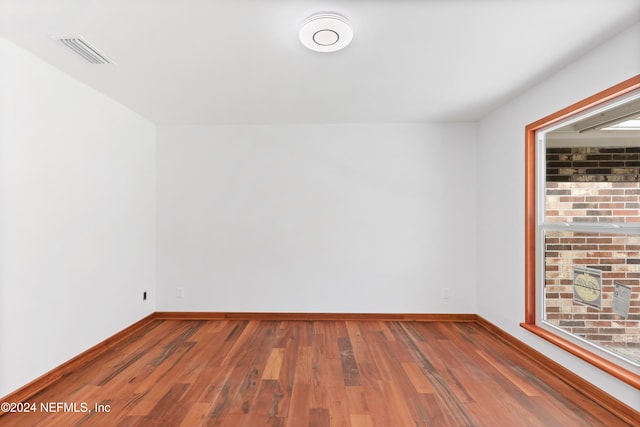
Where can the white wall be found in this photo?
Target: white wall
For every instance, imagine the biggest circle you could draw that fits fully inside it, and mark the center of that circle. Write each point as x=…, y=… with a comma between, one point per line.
x=77, y=217
x=501, y=193
x=317, y=218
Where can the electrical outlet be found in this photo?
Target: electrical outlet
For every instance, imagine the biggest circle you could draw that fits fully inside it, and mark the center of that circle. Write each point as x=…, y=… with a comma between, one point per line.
x=180, y=292
x=445, y=293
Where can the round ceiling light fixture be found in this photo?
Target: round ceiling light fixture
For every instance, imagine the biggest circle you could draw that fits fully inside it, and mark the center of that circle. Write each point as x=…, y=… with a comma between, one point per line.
x=326, y=32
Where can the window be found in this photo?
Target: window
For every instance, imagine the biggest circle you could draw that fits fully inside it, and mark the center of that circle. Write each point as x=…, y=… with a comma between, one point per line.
x=583, y=230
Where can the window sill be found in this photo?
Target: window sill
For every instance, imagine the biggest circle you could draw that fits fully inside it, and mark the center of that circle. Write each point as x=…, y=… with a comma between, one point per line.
x=607, y=366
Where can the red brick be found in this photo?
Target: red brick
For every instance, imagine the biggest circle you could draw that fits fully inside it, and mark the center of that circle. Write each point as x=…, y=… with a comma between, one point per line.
x=625, y=212
x=612, y=261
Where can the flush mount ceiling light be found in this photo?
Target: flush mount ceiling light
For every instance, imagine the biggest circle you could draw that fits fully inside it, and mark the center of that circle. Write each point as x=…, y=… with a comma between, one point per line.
x=326, y=32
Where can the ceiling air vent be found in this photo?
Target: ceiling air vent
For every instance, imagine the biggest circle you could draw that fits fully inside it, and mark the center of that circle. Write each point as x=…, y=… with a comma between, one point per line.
x=85, y=50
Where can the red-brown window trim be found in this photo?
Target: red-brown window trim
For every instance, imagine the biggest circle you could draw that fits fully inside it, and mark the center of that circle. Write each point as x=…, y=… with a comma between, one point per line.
x=529, y=323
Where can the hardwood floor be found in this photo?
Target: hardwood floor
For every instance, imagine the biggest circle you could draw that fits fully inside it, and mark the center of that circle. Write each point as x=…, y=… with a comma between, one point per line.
x=312, y=373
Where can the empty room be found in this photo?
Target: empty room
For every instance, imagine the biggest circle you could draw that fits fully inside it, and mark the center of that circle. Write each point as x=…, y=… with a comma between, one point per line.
x=320, y=213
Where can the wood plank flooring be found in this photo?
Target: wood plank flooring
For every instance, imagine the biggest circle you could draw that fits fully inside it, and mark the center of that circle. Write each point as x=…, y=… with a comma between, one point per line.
x=312, y=373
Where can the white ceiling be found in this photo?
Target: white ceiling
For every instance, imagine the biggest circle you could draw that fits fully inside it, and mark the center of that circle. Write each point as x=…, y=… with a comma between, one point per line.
x=240, y=61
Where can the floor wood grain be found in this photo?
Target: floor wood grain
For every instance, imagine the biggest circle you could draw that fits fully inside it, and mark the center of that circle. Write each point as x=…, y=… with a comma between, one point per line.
x=311, y=373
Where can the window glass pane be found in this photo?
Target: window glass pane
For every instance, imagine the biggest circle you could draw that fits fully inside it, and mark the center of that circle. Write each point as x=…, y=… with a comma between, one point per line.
x=593, y=185
x=592, y=288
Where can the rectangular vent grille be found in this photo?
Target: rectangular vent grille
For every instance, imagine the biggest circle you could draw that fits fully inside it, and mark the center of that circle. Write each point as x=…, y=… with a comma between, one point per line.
x=85, y=50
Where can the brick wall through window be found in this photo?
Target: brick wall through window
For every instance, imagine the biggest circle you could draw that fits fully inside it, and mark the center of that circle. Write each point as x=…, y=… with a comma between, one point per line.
x=594, y=185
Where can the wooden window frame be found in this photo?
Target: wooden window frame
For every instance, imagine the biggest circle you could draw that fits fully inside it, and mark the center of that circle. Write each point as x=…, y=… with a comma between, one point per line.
x=529, y=323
